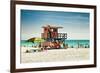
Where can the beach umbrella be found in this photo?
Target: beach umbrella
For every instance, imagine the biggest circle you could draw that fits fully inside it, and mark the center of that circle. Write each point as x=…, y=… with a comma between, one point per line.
x=31, y=40
x=39, y=40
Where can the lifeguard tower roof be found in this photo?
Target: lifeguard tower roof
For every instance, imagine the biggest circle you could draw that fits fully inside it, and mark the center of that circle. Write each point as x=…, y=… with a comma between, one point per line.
x=50, y=26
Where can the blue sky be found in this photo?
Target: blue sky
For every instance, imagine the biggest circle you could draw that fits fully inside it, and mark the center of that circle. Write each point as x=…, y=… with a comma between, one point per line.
x=75, y=24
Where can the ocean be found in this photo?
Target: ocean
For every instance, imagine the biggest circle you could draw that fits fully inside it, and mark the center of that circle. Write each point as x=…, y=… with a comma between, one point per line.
x=76, y=43
x=70, y=43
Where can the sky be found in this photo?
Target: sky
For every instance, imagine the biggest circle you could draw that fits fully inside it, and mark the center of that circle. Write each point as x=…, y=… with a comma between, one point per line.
x=75, y=24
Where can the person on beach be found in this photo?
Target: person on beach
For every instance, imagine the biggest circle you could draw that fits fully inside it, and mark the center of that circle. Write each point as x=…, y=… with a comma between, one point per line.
x=45, y=48
x=61, y=45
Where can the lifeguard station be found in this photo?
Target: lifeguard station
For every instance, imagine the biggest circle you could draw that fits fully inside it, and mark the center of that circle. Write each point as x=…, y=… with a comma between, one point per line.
x=50, y=34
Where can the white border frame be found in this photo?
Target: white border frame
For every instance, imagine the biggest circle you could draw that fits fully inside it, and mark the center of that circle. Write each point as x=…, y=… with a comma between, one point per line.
x=52, y=64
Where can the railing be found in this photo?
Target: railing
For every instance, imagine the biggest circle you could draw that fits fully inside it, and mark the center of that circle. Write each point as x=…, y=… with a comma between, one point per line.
x=58, y=35
x=62, y=35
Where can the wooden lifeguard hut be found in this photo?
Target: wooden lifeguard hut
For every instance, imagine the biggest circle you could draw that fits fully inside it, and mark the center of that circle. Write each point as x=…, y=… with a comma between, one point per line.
x=50, y=34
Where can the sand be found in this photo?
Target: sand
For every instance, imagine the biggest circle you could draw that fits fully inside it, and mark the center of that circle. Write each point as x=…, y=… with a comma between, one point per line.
x=69, y=54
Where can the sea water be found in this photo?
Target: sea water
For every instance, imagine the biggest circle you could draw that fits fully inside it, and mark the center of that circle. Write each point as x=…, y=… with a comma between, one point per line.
x=25, y=43
x=78, y=43
x=69, y=43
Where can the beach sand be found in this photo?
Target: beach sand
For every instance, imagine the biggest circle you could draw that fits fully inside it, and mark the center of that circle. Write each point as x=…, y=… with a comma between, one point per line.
x=54, y=55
